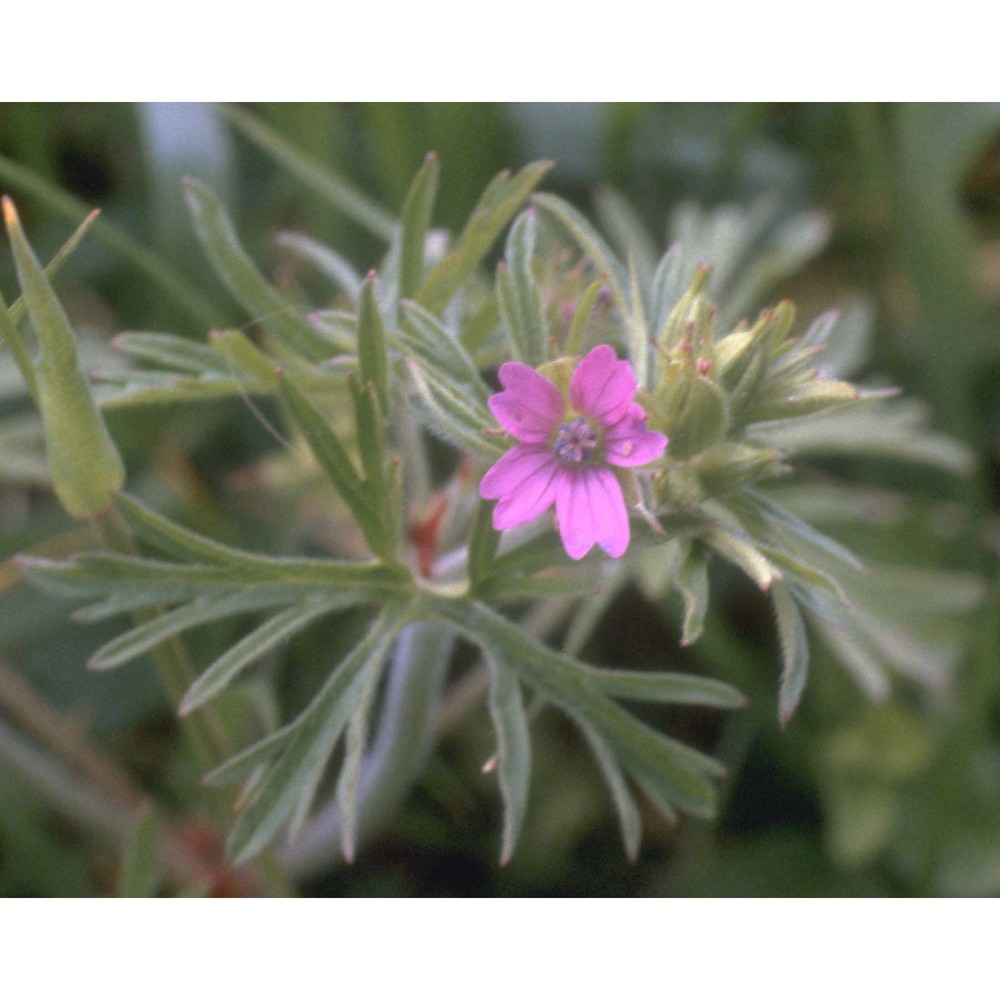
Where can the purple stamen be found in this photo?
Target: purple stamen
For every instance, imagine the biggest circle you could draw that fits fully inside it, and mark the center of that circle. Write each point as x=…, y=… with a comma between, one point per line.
x=575, y=441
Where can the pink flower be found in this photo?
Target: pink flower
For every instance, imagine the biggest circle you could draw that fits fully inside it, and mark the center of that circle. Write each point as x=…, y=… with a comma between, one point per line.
x=564, y=451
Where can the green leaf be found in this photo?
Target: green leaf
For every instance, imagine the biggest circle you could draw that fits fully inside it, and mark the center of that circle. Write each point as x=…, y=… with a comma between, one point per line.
x=240, y=275
x=895, y=431
x=667, y=688
x=328, y=262
x=140, y=874
x=519, y=296
x=784, y=525
x=136, y=582
x=796, y=569
x=742, y=553
x=680, y=773
x=307, y=750
x=144, y=637
x=454, y=416
x=377, y=486
x=668, y=286
x=354, y=749
x=804, y=399
x=250, y=761
x=9, y=319
x=415, y=220
x=636, y=331
x=85, y=465
x=627, y=231
x=591, y=243
x=338, y=191
x=629, y=817
x=430, y=343
x=794, y=651
x=336, y=463
x=373, y=358
x=497, y=206
x=243, y=355
x=18, y=307
x=11, y=336
x=172, y=352
x=256, y=644
x=691, y=580
x=172, y=539
x=581, y=317
x=655, y=794
x=148, y=388
x=510, y=721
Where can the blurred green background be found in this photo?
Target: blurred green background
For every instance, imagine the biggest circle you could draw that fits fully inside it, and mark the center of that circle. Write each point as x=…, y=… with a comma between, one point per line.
x=853, y=798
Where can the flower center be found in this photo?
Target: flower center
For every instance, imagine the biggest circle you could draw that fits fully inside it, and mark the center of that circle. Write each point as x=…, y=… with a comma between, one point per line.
x=575, y=441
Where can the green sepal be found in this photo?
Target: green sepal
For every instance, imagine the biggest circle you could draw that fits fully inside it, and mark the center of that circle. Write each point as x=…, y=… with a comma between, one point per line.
x=731, y=465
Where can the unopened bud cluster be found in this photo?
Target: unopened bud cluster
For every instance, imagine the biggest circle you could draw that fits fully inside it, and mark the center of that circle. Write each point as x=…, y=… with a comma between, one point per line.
x=710, y=392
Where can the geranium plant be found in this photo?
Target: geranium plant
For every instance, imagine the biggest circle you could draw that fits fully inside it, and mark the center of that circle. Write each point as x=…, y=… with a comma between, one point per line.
x=508, y=453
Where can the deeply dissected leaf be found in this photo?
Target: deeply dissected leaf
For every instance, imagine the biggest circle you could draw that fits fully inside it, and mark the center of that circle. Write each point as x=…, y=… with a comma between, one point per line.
x=483, y=542
x=143, y=637
x=681, y=774
x=168, y=389
x=307, y=750
x=258, y=643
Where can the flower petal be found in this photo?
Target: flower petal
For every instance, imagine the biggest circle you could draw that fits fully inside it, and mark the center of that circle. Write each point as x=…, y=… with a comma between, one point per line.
x=628, y=443
x=524, y=481
x=530, y=407
x=602, y=387
x=590, y=508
